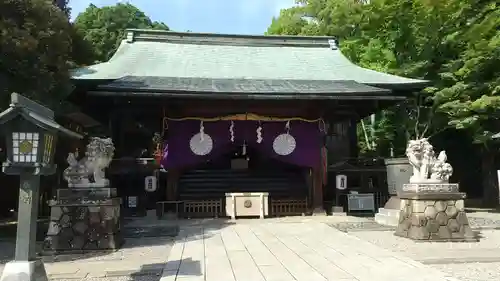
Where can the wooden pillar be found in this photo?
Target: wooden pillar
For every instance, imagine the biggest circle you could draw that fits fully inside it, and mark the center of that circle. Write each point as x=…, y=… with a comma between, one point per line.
x=172, y=181
x=317, y=191
x=353, y=140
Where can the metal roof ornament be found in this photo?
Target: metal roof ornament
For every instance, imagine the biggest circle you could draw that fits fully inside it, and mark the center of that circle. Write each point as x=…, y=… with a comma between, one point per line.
x=334, y=44
x=130, y=36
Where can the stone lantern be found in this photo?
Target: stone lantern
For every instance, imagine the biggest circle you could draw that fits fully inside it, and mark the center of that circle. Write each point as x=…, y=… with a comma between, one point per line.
x=31, y=138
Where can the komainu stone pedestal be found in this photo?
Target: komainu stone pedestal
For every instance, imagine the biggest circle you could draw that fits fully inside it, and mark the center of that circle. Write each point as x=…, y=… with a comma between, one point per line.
x=433, y=214
x=84, y=219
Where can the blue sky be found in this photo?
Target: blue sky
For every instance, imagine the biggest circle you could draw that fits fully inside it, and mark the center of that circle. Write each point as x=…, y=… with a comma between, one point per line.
x=220, y=16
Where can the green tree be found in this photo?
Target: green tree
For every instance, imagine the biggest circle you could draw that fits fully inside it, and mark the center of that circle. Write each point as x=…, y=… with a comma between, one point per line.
x=453, y=43
x=290, y=22
x=471, y=95
x=35, y=47
x=105, y=27
x=63, y=5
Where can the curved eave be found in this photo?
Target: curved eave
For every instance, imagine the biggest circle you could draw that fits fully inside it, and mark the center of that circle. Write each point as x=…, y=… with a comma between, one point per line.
x=248, y=96
x=240, y=88
x=36, y=119
x=412, y=86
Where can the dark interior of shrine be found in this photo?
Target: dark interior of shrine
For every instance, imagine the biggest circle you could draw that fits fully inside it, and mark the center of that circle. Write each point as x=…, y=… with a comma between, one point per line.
x=242, y=170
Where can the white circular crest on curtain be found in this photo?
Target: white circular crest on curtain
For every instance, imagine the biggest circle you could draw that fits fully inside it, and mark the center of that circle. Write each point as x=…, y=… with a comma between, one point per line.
x=284, y=144
x=201, y=146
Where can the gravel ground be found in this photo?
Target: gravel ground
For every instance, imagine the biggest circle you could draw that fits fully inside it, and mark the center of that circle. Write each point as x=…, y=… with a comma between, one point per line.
x=420, y=250
x=472, y=271
x=477, y=220
x=461, y=260
x=484, y=220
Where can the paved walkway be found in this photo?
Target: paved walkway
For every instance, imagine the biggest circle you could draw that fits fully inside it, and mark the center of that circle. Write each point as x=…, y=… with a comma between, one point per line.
x=261, y=251
x=139, y=257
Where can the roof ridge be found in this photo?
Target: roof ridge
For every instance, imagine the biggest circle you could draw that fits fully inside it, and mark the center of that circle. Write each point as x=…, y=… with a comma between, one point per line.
x=134, y=35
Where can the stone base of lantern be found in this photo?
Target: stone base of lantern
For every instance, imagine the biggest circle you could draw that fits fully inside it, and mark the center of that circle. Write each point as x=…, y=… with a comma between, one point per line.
x=433, y=215
x=24, y=270
x=83, y=224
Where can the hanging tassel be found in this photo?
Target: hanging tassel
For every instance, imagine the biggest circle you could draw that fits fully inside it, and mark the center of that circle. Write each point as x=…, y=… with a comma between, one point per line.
x=287, y=127
x=259, y=133
x=244, y=149
x=231, y=131
x=202, y=131
x=322, y=126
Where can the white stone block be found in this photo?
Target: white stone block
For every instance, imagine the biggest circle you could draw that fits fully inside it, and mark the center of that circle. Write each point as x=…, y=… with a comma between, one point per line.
x=25, y=271
x=389, y=217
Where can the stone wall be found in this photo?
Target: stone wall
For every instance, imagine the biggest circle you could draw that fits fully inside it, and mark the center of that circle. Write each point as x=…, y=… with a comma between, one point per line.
x=84, y=227
x=434, y=220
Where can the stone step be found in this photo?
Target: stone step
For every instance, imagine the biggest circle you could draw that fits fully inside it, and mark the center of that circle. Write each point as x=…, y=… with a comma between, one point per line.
x=389, y=212
x=386, y=220
x=387, y=217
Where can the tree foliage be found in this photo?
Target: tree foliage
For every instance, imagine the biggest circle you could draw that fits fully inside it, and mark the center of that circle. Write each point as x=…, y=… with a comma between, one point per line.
x=39, y=45
x=63, y=5
x=453, y=43
x=290, y=22
x=104, y=27
x=35, y=45
x=471, y=97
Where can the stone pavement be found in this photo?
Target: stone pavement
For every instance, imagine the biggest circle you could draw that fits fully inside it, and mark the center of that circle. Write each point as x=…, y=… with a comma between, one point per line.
x=267, y=251
x=138, y=257
x=276, y=249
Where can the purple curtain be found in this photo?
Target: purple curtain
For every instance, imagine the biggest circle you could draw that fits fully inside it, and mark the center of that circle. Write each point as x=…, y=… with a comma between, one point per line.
x=178, y=152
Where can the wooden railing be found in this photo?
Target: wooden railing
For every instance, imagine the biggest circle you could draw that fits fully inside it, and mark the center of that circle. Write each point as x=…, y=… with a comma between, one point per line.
x=288, y=207
x=203, y=208
x=381, y=199
x=215, y=208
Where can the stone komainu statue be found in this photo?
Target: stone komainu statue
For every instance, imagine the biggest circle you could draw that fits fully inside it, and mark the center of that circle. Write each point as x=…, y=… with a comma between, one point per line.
x=427, y=168
x=90, y=169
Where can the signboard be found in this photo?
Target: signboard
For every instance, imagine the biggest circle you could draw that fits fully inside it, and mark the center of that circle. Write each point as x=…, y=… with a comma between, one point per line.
x=361, y=202
x=341, y=182
x=132, y=201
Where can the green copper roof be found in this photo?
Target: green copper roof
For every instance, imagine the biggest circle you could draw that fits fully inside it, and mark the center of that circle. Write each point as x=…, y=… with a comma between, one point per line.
x=159, y=54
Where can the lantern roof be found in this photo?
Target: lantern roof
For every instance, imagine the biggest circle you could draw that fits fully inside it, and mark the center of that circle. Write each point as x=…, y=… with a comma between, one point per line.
x=34, y=112
x=177, y=63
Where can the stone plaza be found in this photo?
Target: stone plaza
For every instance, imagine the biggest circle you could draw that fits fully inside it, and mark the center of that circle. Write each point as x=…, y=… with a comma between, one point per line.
x=285, y=252
x=290, y=248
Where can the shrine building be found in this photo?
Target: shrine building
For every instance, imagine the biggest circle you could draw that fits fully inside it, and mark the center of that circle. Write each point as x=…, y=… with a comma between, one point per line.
x=203, y=115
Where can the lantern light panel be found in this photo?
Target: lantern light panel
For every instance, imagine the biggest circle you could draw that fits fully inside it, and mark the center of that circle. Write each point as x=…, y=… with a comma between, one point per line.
x=25, y=147
x=49, y=141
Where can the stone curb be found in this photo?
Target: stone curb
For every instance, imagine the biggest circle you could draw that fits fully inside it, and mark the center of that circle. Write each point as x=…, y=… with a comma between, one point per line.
x=116, y=273
x=459, y=260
